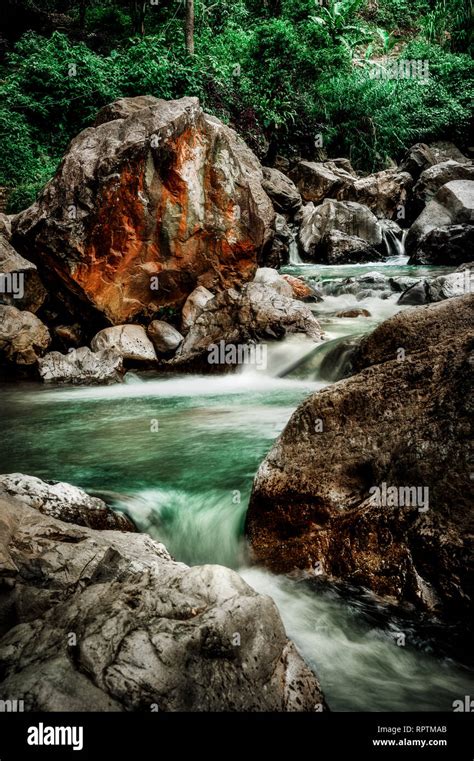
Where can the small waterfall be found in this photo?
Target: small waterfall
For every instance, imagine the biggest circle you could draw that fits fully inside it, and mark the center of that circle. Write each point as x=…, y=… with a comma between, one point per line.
x=394, y=241
x=294, y=254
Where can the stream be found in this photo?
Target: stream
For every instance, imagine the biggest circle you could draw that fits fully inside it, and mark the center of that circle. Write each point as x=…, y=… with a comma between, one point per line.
x=179, y=455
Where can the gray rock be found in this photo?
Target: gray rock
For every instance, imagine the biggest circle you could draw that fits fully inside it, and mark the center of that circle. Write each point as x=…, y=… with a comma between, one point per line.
x=316, y=181
x=241, y=318
x=431, y=290
x=23, y=337
x=453, y=204
x=63, y=501
x=432, y=179
x=128, y=341
x=282, y=191
x=164, y=337
x=448, y=245
x=418, y=158
x=338, y=227
x=383, y=192
x=270, y=278
x=81, y=366
x=6, y=225
x=193, y=306
x=149, y=633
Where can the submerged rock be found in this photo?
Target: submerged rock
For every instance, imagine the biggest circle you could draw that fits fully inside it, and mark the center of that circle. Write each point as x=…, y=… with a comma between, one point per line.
x=150, y=634
x=402, y=422
x=156, y=199
x=81, y=366
x=63, y=501
x=23, y=337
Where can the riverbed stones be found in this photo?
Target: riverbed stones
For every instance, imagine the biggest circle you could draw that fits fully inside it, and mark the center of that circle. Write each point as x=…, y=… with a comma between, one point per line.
x=403, y=420
x=137, y=616
x=63, y=501
x=81, y=367
x=145, y=206
x=23, y=337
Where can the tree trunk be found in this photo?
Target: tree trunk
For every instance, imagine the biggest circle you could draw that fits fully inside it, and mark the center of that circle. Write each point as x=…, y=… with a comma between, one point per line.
x=190, y=26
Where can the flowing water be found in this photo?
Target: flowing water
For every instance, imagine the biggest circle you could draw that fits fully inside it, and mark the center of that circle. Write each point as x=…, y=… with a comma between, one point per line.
x=179, y=455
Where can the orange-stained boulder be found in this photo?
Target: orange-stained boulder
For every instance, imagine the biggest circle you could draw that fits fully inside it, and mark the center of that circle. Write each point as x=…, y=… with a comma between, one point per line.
x=154, y=200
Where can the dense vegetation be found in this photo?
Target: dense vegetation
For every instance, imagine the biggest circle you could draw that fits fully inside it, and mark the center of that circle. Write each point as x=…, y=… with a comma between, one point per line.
x=288, y=74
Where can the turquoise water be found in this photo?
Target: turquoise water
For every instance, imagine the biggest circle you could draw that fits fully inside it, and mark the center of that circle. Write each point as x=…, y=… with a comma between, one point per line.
x=179, y=454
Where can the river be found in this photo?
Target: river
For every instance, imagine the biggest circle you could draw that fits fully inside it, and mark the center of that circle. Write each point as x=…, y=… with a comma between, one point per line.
x=179, y=455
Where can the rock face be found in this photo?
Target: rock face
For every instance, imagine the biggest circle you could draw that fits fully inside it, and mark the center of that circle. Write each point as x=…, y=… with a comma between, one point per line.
x=337, y=231
x=240, y=319
x=20, y=285
x=63, y=501
x=137, y=617
x=128, y=341
x=452, y=205
x=145, y=207
x=23, y=337
x=81, y=366
x=403, y=422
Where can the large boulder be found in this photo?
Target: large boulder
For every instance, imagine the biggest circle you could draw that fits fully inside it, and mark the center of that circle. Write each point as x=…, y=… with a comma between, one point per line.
x=384, y=193
x=225, y=333
x=145, y=207
x=432, y=179
x=128, y=341
x=418, y=158
x=20, y=284
x=399, y=427
x=63, y=501
x=316, y=181
x=339, y=232
x=429, y=235
x=23, y=337
x=108, y=621
x=283, y=192
x=81, y=367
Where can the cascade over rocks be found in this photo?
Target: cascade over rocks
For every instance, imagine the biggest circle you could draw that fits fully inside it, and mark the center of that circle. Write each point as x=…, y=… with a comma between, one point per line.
x=138, y=616
x=403, y=421
x=154, y=200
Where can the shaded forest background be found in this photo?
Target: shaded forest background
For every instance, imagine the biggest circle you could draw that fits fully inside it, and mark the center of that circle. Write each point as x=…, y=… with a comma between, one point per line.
x=281, y=72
